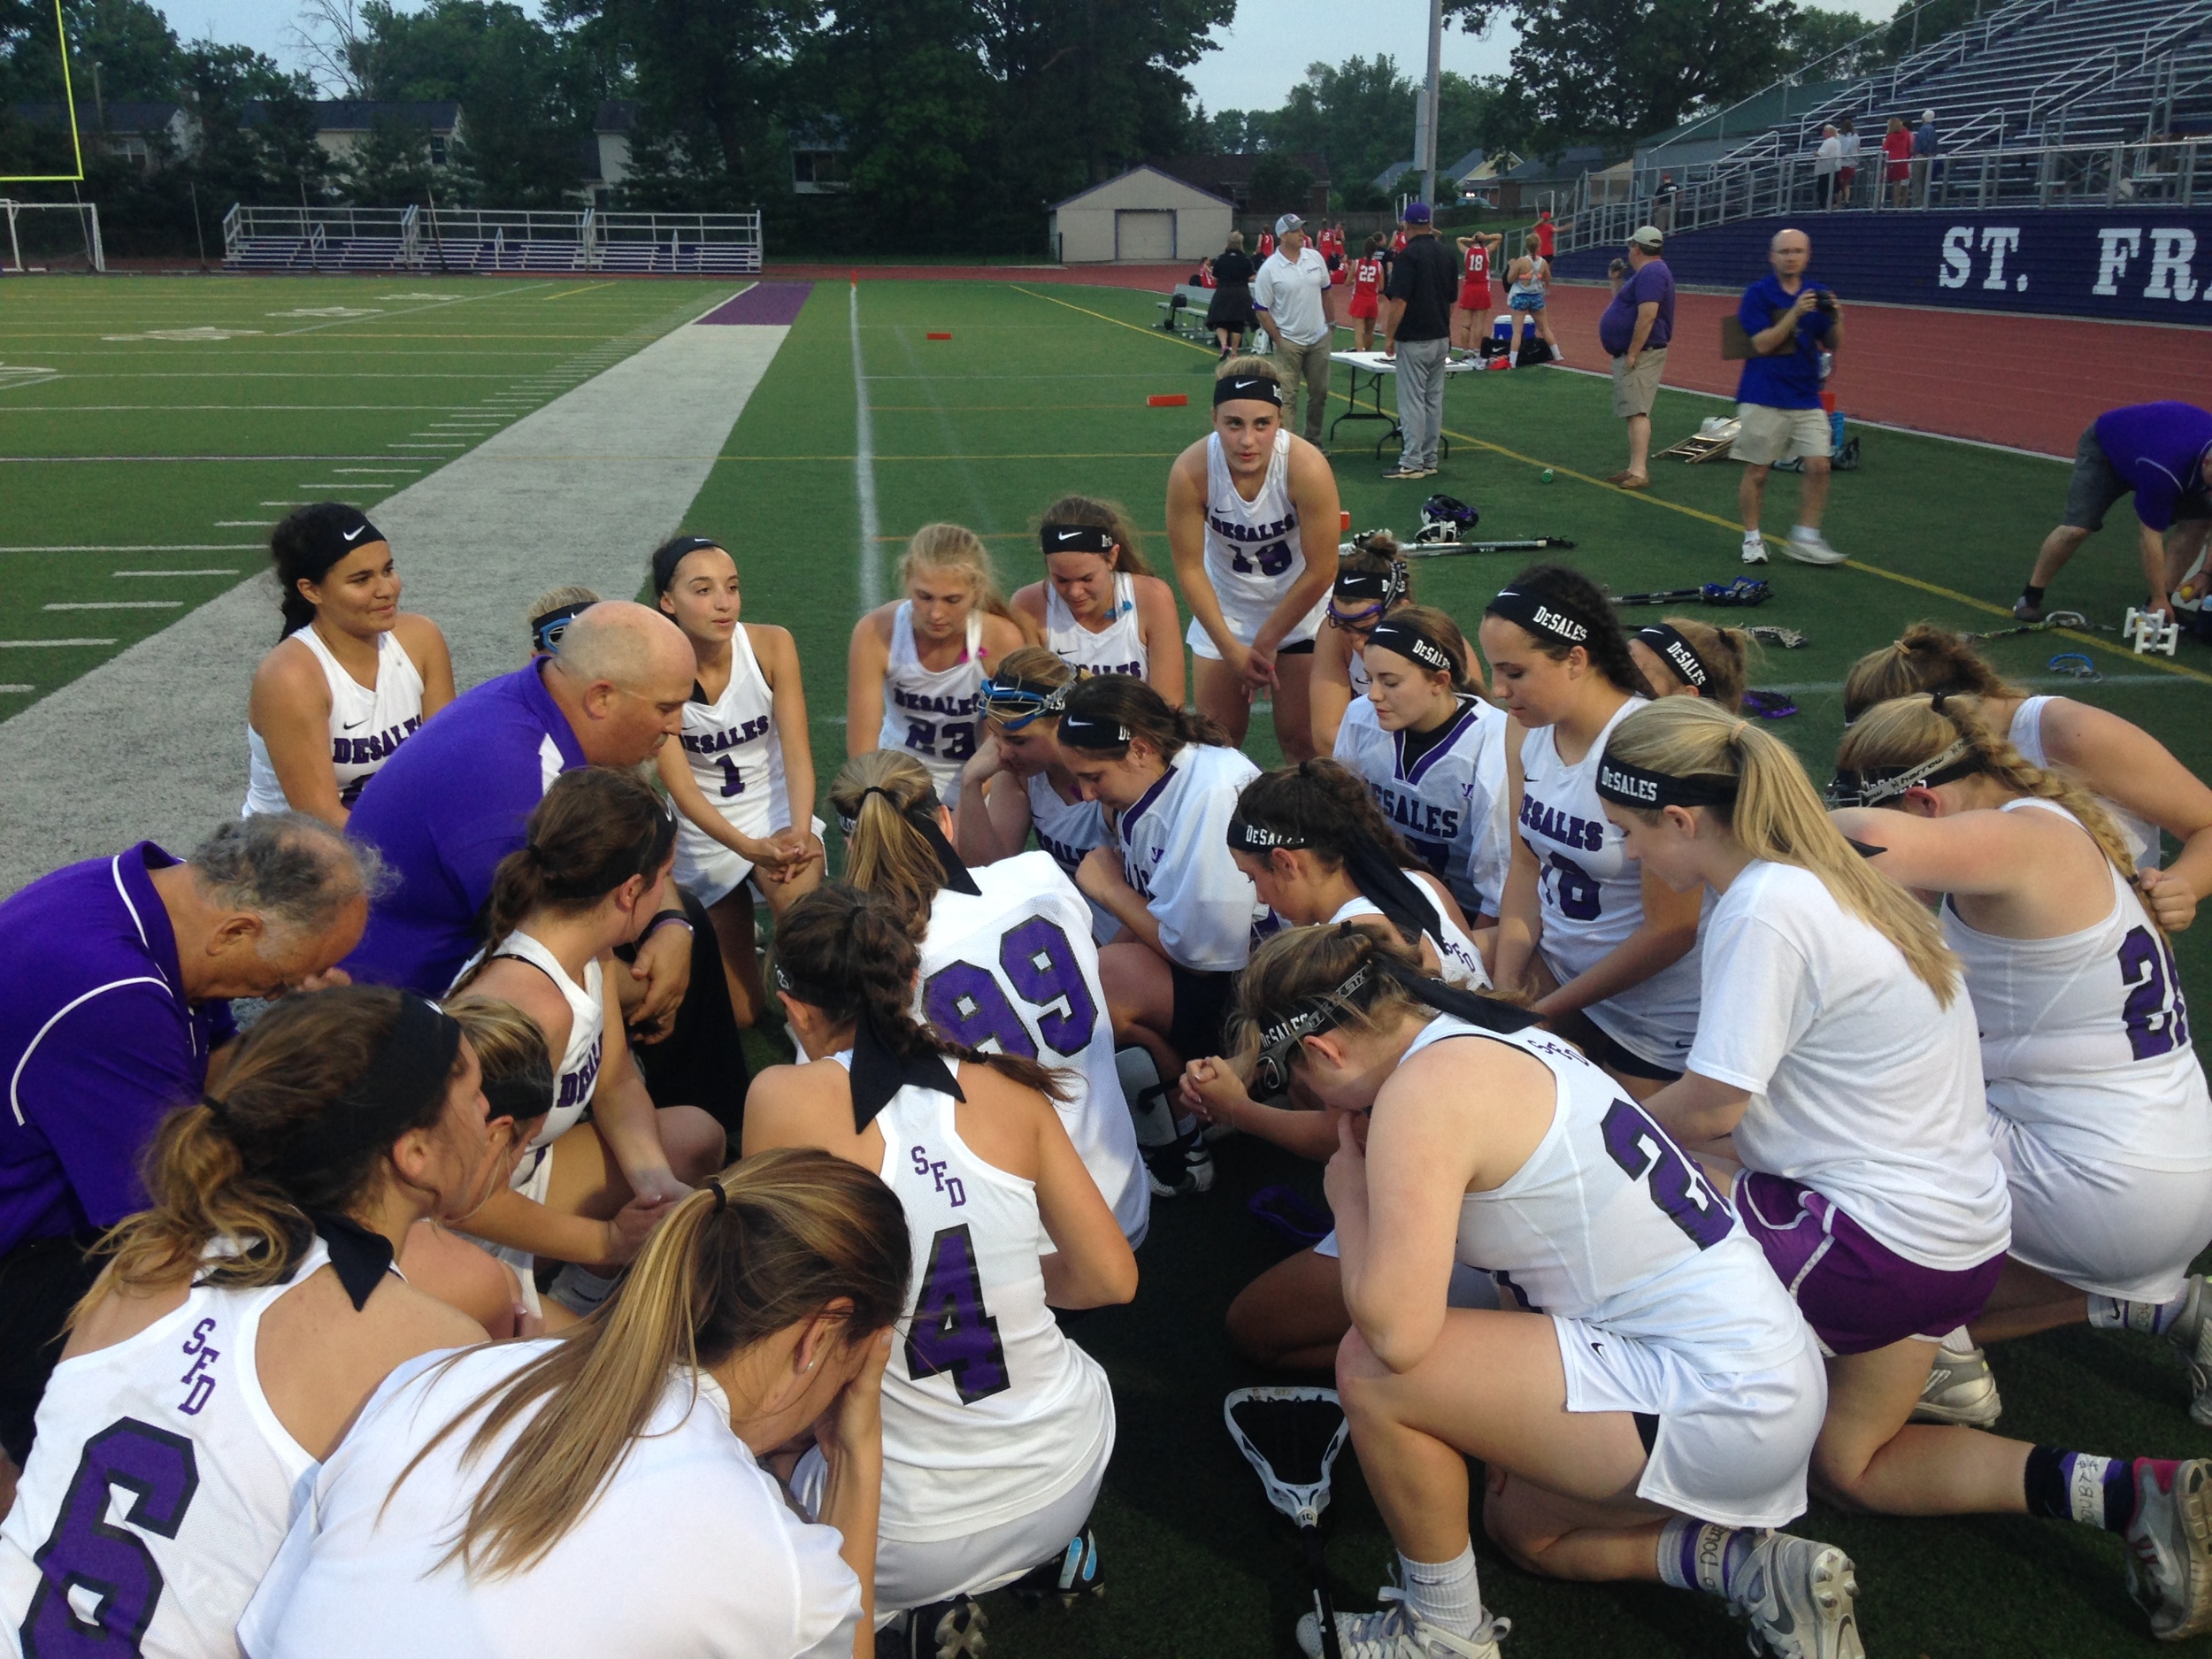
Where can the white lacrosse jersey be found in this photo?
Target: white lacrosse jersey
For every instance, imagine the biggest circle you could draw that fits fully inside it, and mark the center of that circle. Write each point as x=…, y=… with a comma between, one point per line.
x=934, y=714
x=1116, y=648
x=1592, y=897
x=736, y=758
x=2086, y=1038
x=1254, y=553
x=2026, y=735
x=1175, y=851
x=1862, y=1087
x=1461, y=964
x=1452, y=804
x=1015, y=971
x=989, y=1413
x=689, y=1549
x=367, y=724
x=577, y=1072
x=1608, y=1221
x=160, y=1490
x=1067, y=830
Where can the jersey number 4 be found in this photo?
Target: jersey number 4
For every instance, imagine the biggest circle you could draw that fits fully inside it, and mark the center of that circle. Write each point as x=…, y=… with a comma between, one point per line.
x=952, y=1334
x=964, y=998
x=89, y=1562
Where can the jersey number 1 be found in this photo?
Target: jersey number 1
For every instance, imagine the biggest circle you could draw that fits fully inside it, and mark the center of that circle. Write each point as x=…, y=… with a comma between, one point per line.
x=87, y=1555
x=952, y=1334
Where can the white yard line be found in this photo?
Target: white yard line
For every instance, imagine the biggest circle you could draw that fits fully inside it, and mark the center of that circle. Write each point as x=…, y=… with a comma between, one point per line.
x=143, y=547
x=212, y=570
x=116, y=604
x=864, y=470
x=29, y=645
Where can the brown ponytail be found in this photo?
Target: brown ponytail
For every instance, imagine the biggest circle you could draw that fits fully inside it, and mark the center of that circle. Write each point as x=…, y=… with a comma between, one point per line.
x=881, y=797
x=596, y=827
x=1127, y=700
x=1927, y=658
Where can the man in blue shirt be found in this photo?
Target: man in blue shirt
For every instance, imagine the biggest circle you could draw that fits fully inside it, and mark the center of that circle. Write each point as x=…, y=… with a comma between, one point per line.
x=1788, y=321
x=2158, y=452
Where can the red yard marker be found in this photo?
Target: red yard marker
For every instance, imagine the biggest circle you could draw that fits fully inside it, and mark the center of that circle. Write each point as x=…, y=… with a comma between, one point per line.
x=942, y=336
x=1344, y=521
x=1168, y=400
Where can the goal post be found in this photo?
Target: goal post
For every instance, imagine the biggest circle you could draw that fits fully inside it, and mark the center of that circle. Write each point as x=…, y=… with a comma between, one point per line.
x=69, y=109
x=51, y=237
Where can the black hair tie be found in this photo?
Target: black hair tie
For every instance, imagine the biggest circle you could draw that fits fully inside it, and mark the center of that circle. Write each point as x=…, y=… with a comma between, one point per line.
x=721, y=1197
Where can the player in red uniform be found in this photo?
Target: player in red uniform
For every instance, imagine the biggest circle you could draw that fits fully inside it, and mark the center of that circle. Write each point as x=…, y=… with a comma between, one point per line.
x=1471, y=314
x=1367, y=279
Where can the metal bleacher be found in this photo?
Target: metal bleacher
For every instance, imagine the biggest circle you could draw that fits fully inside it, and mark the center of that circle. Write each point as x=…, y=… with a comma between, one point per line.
x=481, y=239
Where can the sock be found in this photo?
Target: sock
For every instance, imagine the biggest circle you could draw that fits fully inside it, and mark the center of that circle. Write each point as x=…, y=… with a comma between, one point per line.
x=1752, y=536
x=1148, y=1104
x=1705, y=1555
x=2031, y=594
x=1804, y=533
x=1959, y=1342
x=1445, y=1592
x=2153, y=1318
x=2063, y=1485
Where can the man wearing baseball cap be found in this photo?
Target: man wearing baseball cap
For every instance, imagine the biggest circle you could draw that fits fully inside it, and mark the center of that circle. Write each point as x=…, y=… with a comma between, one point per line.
x=1291, y=298
x=1635, y=331
x=1416, y=331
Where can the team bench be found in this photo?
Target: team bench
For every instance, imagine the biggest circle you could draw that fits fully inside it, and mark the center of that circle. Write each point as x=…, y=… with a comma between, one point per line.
x=1186, y=310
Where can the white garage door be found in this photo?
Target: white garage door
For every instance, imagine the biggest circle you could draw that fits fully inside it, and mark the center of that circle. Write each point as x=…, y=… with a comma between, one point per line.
x=1144, y=233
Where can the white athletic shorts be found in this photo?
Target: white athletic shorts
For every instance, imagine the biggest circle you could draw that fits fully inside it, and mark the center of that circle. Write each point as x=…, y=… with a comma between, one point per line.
x=711, y=872
x=2109, y=1229
x=1247, y=614
x=1730, y=1448
x=910, y=1575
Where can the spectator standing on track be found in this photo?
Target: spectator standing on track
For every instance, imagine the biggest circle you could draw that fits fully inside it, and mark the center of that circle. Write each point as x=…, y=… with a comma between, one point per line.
x=1847, y=174
x=2162, y=452
x=1229, y=313
x=1528, y=282
x=1896, y=160
x=1827, y=162
x=1366, y=300
x=114, y=1002
x=1419, y=318
x=1546, y=233
x=1477, y=254
x=1635, y=331
x=1790, y=321
x=1923, y=151
x=1291, y=299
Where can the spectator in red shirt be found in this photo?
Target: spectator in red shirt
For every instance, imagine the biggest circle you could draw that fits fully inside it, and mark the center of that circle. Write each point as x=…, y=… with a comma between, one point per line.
x=1545, y=232
x=1897, y=160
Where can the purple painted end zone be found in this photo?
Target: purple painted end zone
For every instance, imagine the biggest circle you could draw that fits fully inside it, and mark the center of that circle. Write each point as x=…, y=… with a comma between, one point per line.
x=776, y=302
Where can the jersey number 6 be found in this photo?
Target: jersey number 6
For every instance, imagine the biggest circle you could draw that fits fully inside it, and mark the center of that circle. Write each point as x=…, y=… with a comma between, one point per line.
x=87, y=1555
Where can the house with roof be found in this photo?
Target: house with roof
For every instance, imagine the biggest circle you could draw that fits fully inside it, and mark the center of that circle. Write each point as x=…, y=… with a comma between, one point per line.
x=343, y=125
x=144, y=133
x=1392, y=181
x=1145, y=216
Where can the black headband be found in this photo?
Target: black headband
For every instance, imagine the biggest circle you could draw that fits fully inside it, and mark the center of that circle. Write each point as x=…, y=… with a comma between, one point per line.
x=1624, y=785
x=1395, y=633
x=547, y=628
x=1666, y=642
x=335, y=530
x=1258, y=840
x=406, y=1075
x=669, y=559
x=923, y=819
x=1248, y=389
x=1872, y=785
x=1540, y=617
x=1092, y=732
x=1384, y=587
x=1075, y=538
x=879, y=1070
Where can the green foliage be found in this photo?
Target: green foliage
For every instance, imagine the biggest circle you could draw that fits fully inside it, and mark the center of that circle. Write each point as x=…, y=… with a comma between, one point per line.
x=391, y=168
x=1814, y=36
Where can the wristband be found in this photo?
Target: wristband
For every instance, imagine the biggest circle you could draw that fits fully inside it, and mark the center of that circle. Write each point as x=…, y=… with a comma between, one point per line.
x=664, y=919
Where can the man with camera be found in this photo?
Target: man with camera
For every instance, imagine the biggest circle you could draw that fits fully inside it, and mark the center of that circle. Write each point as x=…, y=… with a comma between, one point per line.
x=1789, y=324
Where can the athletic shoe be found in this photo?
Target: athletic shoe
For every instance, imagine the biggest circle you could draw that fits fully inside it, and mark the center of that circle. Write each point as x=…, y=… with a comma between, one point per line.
x=1500, y=363
x=1810, y=547
x=1959, y=1390
x=2192, y=1333
x=2169, y=1547
x=1395, y=1631
x=1799, y=1597
x=2024, y=611
x=580, y=1291
x=1070, y=1575
x=1754, y=547
x=944, y=1630
x=1181, y=1167
x=1402, y=471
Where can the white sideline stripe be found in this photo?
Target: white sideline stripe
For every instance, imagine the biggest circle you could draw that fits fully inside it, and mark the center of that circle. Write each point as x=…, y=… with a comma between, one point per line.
x=28, y=645
x=118, y=604
x=146, y=547
x=865, y=472
x=212, y=570
x=344, y=471
x=580, y=490
x=18, y=687
x=243, y=524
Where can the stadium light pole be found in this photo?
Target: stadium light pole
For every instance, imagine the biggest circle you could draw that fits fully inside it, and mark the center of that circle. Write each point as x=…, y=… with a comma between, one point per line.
x=1428, y=102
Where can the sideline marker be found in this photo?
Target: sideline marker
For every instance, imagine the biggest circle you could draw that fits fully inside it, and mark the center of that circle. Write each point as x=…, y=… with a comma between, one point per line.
x=1344, y=519
x=1168, y=400
x=942, y=336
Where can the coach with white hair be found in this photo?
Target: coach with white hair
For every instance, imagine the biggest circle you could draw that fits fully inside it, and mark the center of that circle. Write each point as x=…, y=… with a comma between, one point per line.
x=114, y=1000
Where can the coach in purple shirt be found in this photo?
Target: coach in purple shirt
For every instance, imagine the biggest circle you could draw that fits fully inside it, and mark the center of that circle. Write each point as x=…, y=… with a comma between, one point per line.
x=1635, y=329
x=114, y=992
x=2160, y=453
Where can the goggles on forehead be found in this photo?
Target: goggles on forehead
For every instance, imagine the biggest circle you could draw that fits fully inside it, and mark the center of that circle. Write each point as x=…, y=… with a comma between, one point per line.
x=1355, y=618
x=547, y=629
x=1014, y=703
x=1279, y=1041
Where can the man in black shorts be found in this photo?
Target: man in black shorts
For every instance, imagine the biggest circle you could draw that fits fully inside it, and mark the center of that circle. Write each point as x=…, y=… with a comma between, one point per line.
x=2157, y=453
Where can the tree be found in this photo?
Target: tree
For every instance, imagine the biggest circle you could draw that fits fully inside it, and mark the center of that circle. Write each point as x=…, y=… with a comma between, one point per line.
x=391, y=168
x=1815, y=37
x=1359, y=114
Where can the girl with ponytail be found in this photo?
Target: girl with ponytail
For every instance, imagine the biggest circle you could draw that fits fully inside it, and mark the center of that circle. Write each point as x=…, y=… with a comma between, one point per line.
x=1187, y=911
x=915, y=674
x=591, y=874
x=603, y=1491
x=1100, y=608
x=2142, y=787
x=1006, y=957
x=1681, y=657
x=243, y=1318
x=1432, y=751
x=2097, y=1104
x=1649, y=1423
x=1608, y=950
x=353, y=676
x=1371, y=581
x=1838, y=1067
x=997, y=1428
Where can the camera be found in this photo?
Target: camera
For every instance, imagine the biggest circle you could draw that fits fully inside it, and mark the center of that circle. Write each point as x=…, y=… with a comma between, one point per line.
x=1825, y=302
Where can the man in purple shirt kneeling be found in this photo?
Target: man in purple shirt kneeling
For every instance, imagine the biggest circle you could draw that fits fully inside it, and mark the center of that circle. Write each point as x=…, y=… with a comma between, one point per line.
x=2158, y=452
x=114, y=998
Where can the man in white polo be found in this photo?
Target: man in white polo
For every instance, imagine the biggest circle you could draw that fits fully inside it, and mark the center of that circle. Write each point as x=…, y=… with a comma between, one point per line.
x=1290, y=297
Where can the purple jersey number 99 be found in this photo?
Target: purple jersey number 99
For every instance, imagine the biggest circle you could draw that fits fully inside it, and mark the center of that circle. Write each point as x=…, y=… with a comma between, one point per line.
x=952, y=1334
x=1638, y=1145
x=88, y=1555
x=965, y=1001
x=2157, y=1021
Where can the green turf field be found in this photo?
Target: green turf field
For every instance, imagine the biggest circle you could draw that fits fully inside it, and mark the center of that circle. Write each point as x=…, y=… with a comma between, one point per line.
x=1041, y=389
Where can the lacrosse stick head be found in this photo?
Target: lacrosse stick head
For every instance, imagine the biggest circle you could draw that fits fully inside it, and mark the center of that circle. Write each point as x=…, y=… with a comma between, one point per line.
x=1744, y=590
x=1449, y=509
x=1291, y=1437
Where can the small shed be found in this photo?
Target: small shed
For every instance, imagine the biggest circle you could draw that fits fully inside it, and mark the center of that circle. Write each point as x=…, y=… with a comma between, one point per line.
x=1142, y=217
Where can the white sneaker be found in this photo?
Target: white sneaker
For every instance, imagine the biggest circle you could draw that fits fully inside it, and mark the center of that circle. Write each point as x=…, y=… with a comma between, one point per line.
x=2170, y=1548
x=1395, y=1631
x=1809, y=547
x=1959, y=1390
x=1799, y=1595
x=1754, y=547
x=2192, y=1333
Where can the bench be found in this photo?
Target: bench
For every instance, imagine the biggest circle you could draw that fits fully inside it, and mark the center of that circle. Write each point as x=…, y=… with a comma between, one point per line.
x=1186, y=311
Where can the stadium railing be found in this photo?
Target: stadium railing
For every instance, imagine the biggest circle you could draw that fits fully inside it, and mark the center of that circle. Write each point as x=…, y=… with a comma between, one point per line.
x=462, y=239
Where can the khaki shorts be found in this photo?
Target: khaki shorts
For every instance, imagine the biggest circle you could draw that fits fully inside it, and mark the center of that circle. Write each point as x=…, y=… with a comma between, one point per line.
x=1765, y=435
x=1636, y=389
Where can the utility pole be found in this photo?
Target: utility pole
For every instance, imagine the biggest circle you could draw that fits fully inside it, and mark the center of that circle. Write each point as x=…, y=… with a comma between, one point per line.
x=1426, y=158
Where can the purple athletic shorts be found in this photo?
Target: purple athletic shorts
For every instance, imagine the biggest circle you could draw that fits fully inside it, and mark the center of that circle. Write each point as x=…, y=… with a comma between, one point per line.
x=1856, y=1293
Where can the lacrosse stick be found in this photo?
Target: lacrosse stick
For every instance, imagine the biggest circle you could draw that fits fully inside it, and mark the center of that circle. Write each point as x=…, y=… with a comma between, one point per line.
x=2056, y=620
x=1291, y=1437
x=1743, y=591
x=1533, y=544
